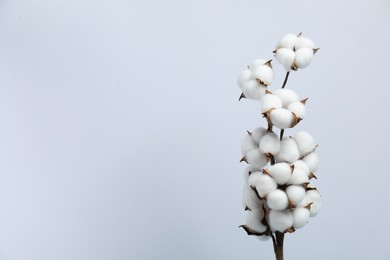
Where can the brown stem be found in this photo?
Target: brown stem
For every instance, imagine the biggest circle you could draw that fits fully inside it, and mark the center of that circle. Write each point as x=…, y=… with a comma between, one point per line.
x=279, y=245
x=285, y=79
x=281, y=134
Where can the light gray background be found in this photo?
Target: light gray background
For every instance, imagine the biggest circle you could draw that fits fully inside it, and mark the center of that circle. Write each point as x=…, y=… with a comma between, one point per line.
x=120, y=127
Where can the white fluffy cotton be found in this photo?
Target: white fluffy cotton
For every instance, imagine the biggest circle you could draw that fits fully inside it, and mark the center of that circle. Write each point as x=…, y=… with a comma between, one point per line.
x=250, y=199
x=270, y=143
x=253, y=221
x=280, y=220
x=298, y=177
x=264, y=185
x=281, y=172
x=314, y=197
x=305, y=142
x=300, y=217
x=298, y=108
x=303, y=42
x=248, y=171
x=256, y=158
x=282, y=118
x=288, y=41
x=312, y=161
x=256, y=63
x=295, y=193
x=285, y=57
x=277, y=200
x=287, y=96
x=253, y=90
x=264, y=73
x=303, y=57
x=270, y=101
x=301, y=165
x=288, y=151
x=243, y=77
x=258, y=133
x=247, y=144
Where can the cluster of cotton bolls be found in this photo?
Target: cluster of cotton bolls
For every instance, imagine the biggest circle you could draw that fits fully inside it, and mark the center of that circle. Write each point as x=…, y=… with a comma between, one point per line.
x=278, y=194
x=295, y=51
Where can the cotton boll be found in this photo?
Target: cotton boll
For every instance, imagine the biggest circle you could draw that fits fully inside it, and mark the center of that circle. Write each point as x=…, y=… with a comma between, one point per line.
x=303, y=57
x=250, y=199
x=304, y=42
x=301, y=165
x=258, y=133
x=295, y=194
x=247, y=144
x=264, y=185
x=285, y=57
x=270, y=101
x=288, y=151
x=288, y=41
x=277, y=200
x=270, y=143
x=248, y=171
x=253, y=90
x=298, y=108
x=298, y=177
x=300, y=217
x=253, y=221
x=243, y=77
x=312, y=161
x=287, y=96
x=264, y=73
x=313, y=197
x=280, y=220
x=256, y=63
x=256, y=158
x=283, y=118
x=281, y=172
x=305, y=142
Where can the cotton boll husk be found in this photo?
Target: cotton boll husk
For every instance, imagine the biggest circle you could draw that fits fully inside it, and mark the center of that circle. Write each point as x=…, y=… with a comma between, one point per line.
x=258, y=133
x=265, y=184
x=281, y=172
x=282, y=118
x=298, y=177
x=312, y=161
x=298, y=108
x=295, y=194
x=270, y=101
x=304, y=42
x=247, y=144
x=285, y=57
x=300, y=217
x=303, y=57
x=280, y=220
x=256, y=63
x=314, y=197
x=305, y=142
x=250, y=199
x=287, y=96
x=256, y=158
x=243, y=77
x=277, y=200
x=264, y=73
x=270, y=143
x=288, y=151
x=253, y=90
x=288, y=41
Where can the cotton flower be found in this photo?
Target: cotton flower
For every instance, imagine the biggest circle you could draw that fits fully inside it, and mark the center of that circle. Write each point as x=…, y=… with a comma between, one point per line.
x=270, y=101
x=288, y=151
x=280, y=172
x=280, y=220
x=257, y=134
x=282, y=118
x=295, y=193
x=303, y=42
x=285, y=57
x=264, y=184
x=248, y=171
x=248, y=144
x=288, y=41
x=252, y=89
x=287, y=96
x=303, y=58
x=244, y=77
x=269, y=143
x=256, y=63
x=305, y=142
x=300, y=217
x=264, y=74
x=298, y=177
x=277, y=200
x=312, y=161
x=298, y=108
x=250, y=200
x=253, y=221
x=312, y=198
x=256, y=158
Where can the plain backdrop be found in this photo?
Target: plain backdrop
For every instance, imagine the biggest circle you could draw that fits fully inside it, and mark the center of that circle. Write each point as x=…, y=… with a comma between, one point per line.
x=120, y=127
